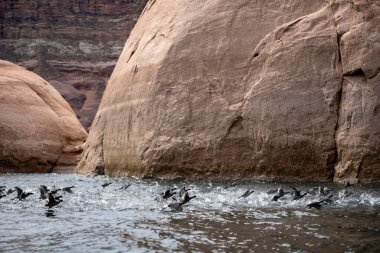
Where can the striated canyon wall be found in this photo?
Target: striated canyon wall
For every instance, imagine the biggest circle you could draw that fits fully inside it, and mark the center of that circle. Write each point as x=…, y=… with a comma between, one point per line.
x=73, y=44
x=285, y=90
x=39, y=131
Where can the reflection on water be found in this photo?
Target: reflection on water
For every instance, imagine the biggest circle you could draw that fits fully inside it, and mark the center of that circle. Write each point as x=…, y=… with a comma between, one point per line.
x=50, y=213
x=111, y=219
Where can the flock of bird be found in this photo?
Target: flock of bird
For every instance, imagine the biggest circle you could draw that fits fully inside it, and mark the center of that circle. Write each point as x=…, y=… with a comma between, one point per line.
x=182, y=197
x=324, y=193
x=50, y=195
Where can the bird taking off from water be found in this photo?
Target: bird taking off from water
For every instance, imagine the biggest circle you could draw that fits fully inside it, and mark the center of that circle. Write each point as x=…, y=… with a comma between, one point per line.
x=280, y=194
x=21, y=195
x=124, y=187
x=168, y=193
x=68, y=189
x=106, y=184
x=52, y=201
x=297, y=193
x=247, y=193
x=186, y=198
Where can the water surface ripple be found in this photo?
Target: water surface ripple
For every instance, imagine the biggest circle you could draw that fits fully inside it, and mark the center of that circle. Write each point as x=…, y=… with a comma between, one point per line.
x=93, y=219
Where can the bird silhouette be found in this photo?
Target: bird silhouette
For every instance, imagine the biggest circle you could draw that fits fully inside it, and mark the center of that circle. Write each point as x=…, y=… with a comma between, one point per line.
x=297, y=193
x=124, y=187
x=185, y=198
x=106, y=184
x=323, y=191
x=315, y=204
x=247, y=193
x=52, y=201
x=21, y=195
x=280, y=194
x=318, y=204
x=68, y=189
x=10, y=191
x=3, y=192
x=183, y=190
x=168, y=193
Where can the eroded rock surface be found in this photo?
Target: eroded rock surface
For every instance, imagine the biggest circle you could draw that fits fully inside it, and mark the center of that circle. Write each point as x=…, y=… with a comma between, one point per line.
x=358, y=129
x=244, y=89
x=72, y=44
x=39, y=131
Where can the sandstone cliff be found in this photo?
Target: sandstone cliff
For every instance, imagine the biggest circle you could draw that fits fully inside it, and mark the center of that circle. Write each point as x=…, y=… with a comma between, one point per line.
x=72, y=44
x=39, y=131
x=285, y=90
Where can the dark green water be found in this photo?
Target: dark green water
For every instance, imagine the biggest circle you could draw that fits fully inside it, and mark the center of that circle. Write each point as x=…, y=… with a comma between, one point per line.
x=93, y=219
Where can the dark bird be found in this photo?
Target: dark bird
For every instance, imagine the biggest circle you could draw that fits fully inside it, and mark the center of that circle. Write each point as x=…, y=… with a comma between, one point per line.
x=183, y=190
x=297, y=197
x=315, y=204
x=10, y=191
x=44, y=191
x=323, y=191
x=186, y=198
x=106, y=184
x=57, y=197
x=183, y=194
x=280, y=194
x=124, y=187
x=52, y=201
x=54, y=190
x=3, y=193
x=318, y=204
x=2, y=189
x=276, y=197
x=68, y=189
x=247, y=193
x=168, y=193
x=21, y=194
x=297, y=193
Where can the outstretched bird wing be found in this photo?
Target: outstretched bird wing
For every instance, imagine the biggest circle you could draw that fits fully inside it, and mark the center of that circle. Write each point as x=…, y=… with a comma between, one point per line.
x=19, y=191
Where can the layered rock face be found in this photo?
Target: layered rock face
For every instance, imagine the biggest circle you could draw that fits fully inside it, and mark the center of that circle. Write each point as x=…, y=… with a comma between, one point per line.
x=39, y=131
x=72, y=44
x=284, y=90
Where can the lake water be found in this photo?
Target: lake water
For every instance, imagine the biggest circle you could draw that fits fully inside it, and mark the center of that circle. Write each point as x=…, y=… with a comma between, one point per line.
x=93, y=219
